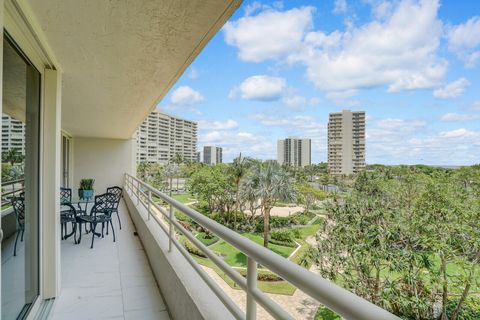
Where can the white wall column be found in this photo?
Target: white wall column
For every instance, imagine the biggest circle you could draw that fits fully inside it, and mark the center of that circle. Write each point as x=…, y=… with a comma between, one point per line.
x=105, y=160
x=1, y=108
x=50, y=185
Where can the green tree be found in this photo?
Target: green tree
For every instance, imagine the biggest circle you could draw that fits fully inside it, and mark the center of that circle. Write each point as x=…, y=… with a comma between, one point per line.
x=394, y=237
x=238, y=169
x=268, y=183
x=308, y=195
x=12, y=156
x=213, y=185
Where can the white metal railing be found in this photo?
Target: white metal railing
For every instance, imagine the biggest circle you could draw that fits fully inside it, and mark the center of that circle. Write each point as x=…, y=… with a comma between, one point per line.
x=342, y=301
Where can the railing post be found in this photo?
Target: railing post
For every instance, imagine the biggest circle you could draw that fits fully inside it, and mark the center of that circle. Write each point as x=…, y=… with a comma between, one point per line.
x=149, y=201
x=170, y=229
x=251, y=285
x=138, y=193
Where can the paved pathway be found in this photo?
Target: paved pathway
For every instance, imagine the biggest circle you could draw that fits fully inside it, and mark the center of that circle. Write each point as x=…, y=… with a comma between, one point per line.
x=299, y=305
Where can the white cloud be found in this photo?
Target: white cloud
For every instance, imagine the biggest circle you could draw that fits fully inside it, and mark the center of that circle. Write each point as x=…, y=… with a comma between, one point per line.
x=260, y=87
x=394, y=141
x=398, y=52
x=295, y=101
x=459, y=133
x=249, y=144
x=476, y=105
x=314, y=101
x=193, y=73
x=271, y=34
x=185, y=96
x=397, y=49
x=464, y=41
x=457, y=117
x=400, y=125
x=452, y=90
x=382, y=9
x=340, y=6
x=217, y=125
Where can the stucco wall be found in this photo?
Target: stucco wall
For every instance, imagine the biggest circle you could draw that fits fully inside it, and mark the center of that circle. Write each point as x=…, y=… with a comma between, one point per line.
x=105, y=160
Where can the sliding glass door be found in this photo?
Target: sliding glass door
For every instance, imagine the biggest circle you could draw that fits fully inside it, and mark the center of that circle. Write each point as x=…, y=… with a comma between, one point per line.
x=20, y=183
x=65, y=161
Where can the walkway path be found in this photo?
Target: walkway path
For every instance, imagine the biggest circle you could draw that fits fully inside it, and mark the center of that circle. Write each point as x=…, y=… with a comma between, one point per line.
x=299, y=305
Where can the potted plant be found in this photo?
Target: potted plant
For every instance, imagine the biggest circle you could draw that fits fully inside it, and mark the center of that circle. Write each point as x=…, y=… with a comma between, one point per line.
x=85, y=191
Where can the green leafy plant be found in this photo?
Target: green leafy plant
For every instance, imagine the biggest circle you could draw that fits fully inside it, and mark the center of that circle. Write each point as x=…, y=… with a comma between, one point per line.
x=283, y=235
x=86, y=184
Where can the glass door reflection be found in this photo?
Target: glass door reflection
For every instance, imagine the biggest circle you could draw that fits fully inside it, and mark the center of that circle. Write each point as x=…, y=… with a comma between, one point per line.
x=20, y=183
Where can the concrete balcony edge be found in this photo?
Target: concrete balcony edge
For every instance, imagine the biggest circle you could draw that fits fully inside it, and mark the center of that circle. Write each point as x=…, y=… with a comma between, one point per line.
x=186, y=294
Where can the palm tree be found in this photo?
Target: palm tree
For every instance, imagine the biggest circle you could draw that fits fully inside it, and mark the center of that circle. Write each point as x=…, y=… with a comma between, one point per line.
x=238, y=169
x=12, y=156
x=270, y=183
x=171, y=170
x=177, y=159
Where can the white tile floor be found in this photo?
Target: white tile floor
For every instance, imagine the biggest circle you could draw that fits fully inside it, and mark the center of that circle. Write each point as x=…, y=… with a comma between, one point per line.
x=110, y=281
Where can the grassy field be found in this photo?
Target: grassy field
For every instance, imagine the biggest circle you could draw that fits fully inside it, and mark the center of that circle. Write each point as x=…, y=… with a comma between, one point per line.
x=277, y=287
x=309, y=230
x=183, y=197
x=237, y=259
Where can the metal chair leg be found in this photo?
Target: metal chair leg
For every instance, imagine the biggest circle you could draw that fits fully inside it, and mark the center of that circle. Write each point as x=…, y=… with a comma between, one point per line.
x=119, y=222
x=93, y=226
x=74, y=227
x=113, y=230
x=80, y=232
x=15, y=247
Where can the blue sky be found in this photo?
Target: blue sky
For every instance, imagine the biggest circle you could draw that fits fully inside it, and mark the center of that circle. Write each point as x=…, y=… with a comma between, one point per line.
x=277, y=69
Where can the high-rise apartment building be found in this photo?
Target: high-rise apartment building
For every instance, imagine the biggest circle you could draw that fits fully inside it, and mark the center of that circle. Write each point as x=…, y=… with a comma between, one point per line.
x=162, y=136
x=13, y=134
x=294, y=152
x=212, y=155
x=346, y=142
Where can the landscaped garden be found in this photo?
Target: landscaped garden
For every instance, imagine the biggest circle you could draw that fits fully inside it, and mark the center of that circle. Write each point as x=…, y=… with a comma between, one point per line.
x=405, y=238
x=288, y=240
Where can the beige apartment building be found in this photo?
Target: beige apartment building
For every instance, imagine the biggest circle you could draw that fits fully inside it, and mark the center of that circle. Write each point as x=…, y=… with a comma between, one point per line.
x=346, y=142
x=212, y=155
x=13, y=134
x=162, y=136
x=294, y=152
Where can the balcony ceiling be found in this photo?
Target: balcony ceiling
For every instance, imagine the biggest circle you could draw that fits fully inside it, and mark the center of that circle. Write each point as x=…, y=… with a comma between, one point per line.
x=119, y=58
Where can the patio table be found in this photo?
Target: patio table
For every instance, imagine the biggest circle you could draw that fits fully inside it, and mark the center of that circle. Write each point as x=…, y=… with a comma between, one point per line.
x=77, y=201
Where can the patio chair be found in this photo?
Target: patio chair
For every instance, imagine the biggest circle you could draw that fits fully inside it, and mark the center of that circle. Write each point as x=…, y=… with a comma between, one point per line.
x=100, y=214
x=68, y=214
x=18, y=204
x=117, y=191
x=65, y=195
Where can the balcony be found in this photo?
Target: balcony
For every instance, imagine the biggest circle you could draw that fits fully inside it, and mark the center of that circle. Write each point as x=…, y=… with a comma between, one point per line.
x=191, y=291
x=121, y=284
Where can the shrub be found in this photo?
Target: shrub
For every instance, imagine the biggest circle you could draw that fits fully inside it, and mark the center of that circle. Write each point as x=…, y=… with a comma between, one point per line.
x=262, y=275
x=193, y=249
x=470, y=309
x=207, y=238
x=282, y=243
x=303, y=256
x=283, y=235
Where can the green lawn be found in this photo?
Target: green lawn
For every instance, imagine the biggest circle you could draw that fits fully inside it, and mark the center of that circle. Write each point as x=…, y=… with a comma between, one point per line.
x=237, y=259
x=309, y=230
x=324, y=313
x=277, y=287
x=183, y=197
x=207, y=240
